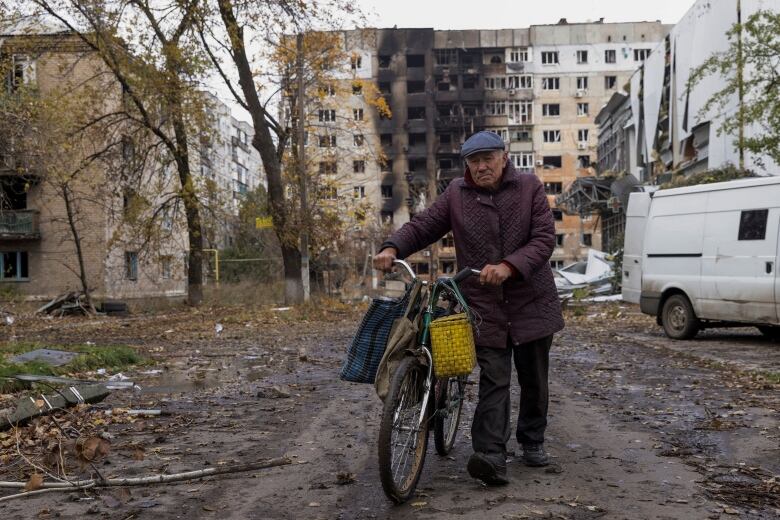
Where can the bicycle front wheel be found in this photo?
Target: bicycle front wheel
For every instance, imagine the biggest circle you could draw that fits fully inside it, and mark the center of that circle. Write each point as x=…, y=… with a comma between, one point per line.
x=403, y=432
x=449, y=402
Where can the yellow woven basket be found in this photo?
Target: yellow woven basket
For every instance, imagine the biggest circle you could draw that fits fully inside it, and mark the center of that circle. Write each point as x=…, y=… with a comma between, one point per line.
x=452, y=344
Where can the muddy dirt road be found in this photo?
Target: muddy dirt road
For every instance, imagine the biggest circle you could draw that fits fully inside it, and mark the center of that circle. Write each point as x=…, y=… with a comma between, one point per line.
x=640, y=427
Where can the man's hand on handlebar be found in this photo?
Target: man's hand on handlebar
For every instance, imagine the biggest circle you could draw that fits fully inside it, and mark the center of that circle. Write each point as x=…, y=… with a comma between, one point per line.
x=383, y=261
x=494, y=274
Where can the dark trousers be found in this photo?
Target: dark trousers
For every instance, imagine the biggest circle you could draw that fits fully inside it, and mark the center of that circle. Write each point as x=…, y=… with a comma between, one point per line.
x=490, y=430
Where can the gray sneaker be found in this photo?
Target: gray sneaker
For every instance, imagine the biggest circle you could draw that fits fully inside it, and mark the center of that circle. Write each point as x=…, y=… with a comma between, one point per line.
x=534, y=455
x=490, y=468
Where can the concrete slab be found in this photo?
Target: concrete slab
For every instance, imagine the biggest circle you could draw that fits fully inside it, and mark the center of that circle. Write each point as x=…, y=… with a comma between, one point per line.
x=51, y=357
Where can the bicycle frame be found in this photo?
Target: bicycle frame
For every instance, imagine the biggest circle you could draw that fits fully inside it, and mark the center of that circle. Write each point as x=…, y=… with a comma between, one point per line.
x=434, y=291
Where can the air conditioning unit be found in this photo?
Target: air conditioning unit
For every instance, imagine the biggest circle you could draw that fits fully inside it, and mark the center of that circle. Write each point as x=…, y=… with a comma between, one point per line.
x=512, y=92
x=582, y=146
x=579, y=94
x=539, y=162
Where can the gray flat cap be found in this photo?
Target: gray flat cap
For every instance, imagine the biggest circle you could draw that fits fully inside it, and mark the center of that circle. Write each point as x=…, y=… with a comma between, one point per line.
x=481, y=142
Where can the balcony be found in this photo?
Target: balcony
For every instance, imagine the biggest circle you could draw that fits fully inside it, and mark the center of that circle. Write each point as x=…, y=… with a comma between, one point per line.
x=19, y=225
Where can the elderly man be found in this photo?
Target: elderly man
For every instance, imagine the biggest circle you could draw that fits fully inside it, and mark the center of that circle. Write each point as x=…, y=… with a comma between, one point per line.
x=502, y=224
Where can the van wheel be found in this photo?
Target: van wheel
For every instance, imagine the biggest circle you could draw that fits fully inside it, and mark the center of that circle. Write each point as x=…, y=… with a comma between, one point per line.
x=770, y=332
x=678, y=319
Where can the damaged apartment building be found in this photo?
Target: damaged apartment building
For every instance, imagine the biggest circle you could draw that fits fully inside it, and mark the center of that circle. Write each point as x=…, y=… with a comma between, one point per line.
x=38, y=254
x=539, y=88
x=658, y=125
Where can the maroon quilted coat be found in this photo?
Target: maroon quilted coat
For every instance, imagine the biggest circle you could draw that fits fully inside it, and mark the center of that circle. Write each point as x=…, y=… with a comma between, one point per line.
x=512, y=224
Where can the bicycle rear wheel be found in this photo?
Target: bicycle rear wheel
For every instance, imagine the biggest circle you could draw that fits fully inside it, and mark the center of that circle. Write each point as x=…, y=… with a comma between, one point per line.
x=403, y=431
x=449, y=402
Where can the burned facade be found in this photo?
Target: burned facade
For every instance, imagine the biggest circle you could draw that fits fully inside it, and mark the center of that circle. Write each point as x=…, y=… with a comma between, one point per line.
x=539, y=88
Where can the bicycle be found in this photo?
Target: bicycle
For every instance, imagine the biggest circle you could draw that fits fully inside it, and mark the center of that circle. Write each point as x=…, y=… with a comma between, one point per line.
x=408, y=407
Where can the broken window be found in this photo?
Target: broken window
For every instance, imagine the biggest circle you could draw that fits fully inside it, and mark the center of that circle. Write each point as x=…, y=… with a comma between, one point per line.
x=357, y=114
x=131, y=265
x=14, y=265
x=503, y=133
x=386, y=216
x=470, y=81
x=357, y=89
x=417, y=139
x=445, y=164
x=521, y=112
x=495, y=108
x=582, y=135
x=551, y=109
x=587, y=239
x=386, y=139
x=355, y=62
x=445, y=138
x=522, y=135
x=559, y=240
x=610, y=82
x=557, y=214
x=384, y=87
x=359, y=166
x=359, y=192
x=328, y=167
x=582, y=109
x=446, y=56
x=551, y=161
x=166, y=267
x=752, y=224
x=582, y=83
x=522, y=81
x=358, y=139
x=416, y=113
x=415, y=60
x=610, y=56
x=553, y=188
x=584, y=161
x=22, y=72
x=551, y=136
x=386, y=165
x=387, y=191
x=556, y=264
x=496, y=59
x=495, y=83
x=327, y=141
x=414, y=87
x=384, y=61
x=582, y=56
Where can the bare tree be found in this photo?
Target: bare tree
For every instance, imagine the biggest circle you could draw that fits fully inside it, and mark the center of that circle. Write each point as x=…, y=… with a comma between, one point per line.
x=149, y=49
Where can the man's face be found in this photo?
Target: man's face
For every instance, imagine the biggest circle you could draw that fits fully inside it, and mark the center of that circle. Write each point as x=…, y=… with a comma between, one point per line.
x=486, y=167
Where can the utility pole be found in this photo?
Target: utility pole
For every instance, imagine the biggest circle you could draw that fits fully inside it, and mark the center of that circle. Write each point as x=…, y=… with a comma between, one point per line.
x=302, y=171
x=741, y=85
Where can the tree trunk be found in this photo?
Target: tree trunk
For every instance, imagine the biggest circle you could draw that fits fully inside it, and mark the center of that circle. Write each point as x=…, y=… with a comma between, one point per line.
x=264, y=144
x=194, y=228
x=71, y=214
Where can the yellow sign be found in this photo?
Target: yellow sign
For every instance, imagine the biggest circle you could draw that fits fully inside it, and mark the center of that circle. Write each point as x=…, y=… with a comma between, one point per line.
x=264, y=222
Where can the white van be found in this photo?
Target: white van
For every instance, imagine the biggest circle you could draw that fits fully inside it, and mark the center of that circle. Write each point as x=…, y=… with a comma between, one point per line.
x=705, y=256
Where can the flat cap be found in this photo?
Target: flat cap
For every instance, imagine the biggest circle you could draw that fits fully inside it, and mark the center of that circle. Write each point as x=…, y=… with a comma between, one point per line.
x=481, y=142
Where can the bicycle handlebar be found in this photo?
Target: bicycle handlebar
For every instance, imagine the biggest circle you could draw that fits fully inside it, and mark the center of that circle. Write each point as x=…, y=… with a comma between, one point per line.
x=465, y=273
x=406, y=267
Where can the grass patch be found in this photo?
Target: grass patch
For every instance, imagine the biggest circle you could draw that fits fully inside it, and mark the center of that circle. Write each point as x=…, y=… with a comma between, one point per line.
x=91, y=357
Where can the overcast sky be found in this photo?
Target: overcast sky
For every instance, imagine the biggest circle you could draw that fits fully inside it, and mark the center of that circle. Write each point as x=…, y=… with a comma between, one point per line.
x=503, y=14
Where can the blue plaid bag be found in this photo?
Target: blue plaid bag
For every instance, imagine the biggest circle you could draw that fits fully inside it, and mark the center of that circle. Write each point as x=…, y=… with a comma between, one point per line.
x=368, y=346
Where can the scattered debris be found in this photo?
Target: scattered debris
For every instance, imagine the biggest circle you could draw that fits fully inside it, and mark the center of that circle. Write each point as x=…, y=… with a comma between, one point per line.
x=73, y=302
x=594, y=275
x=55, y=358
x=28, y=407
x=273, y=392
x=343, y=478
